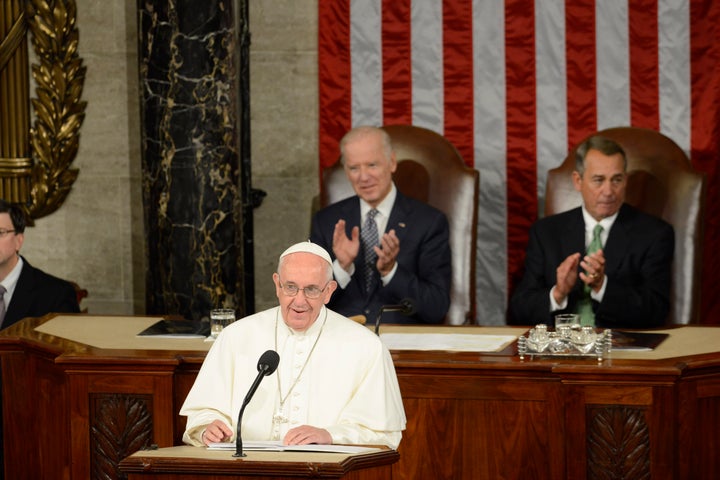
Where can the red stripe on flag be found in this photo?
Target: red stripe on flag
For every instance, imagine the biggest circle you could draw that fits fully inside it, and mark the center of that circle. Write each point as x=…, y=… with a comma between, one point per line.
x=458, y=77
x=705, y=139
x=396, y=62
x=521, y=130
x=334, y=78
x=581, y=69
x=644, y=66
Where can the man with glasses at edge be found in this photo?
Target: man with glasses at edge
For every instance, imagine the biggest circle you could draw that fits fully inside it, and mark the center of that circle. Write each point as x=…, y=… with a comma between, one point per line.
x=335, y=384
x=26, y=291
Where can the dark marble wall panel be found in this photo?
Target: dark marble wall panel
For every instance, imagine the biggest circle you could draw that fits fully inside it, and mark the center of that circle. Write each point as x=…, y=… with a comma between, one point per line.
x=188, y=56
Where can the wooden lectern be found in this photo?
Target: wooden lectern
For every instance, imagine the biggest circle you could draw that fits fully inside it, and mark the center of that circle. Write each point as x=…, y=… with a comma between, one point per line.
x=81, y=393
x=199, y=463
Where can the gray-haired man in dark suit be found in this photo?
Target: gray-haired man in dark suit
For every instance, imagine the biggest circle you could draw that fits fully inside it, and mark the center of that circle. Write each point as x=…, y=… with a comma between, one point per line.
x=410, y=258
x=627, y=281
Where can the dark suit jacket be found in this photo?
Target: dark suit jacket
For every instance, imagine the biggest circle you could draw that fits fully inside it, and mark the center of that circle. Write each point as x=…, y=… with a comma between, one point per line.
x=37, y=294
x=423, y=273
x=638, y=255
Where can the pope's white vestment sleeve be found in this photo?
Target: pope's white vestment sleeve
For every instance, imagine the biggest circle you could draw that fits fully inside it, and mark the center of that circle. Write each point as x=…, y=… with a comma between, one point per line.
x=374, y=415
x=211, y=396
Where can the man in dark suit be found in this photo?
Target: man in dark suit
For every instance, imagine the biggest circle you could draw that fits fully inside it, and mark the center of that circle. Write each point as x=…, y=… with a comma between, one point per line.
x=409, y=260
x=626, y=282
x=27, y=291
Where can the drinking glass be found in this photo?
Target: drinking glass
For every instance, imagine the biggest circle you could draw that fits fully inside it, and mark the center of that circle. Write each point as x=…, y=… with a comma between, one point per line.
x=219, y=319
x=565, y=323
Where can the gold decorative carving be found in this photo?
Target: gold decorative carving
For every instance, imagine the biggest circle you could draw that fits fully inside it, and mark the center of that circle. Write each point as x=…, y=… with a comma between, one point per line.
x=15, y=161
x=59, y=111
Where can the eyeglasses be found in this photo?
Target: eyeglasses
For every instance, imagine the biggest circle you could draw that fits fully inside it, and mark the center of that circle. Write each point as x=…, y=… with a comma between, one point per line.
x=4, y=232
x=311, y=292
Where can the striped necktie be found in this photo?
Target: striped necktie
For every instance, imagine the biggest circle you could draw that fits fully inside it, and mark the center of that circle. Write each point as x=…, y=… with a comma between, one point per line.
x=369, y=237
x=584, y=307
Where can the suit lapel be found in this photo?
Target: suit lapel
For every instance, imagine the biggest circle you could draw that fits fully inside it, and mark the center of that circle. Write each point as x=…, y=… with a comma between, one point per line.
x=572, y=238
x=22, y=294
x=398, y=215
x=618, y=240
x=351, y=214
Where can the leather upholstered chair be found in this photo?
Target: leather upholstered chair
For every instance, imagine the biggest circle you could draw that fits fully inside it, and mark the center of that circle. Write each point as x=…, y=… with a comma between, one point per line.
x=662, y=182
x=430, y=169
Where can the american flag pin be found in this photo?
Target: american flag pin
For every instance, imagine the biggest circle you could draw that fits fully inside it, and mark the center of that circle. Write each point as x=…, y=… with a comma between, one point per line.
x=401, y=224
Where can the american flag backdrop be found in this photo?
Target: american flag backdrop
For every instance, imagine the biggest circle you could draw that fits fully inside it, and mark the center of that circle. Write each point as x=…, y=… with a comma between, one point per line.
x=513, y=84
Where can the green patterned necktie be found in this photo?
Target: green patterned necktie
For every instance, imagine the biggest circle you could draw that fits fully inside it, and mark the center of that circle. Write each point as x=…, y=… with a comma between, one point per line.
x=584, y=307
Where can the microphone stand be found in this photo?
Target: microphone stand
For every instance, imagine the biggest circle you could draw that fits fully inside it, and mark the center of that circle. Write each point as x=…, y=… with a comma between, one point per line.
x=238, y=441
x=406, y=307
x=266, y=366
x=379, y=316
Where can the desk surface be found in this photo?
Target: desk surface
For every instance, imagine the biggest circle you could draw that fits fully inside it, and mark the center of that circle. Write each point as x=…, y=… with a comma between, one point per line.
x=200, y=453
x=85, y=331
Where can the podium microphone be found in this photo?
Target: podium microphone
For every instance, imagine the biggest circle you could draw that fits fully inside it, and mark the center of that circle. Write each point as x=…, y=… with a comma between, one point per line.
x=267, y=364
x=405, y=307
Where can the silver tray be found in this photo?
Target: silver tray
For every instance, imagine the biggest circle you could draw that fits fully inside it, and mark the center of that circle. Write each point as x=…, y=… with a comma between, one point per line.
x=569, y=341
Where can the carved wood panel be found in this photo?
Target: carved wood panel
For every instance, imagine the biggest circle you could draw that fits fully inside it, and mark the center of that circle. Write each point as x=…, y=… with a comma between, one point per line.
x=618, y=443
x=120, y=425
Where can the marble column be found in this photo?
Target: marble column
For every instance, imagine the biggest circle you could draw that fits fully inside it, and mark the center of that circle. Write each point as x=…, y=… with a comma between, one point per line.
x=190, y=96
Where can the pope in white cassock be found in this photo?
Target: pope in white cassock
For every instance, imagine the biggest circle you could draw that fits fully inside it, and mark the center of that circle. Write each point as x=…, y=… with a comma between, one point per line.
x=335, y=383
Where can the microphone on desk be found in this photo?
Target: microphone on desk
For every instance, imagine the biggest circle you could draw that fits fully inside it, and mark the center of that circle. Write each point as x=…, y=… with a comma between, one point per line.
x=267, y=364
x=405, y=307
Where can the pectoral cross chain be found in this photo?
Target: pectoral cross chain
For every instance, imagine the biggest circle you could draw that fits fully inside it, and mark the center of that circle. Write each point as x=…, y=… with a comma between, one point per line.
x=278, y=419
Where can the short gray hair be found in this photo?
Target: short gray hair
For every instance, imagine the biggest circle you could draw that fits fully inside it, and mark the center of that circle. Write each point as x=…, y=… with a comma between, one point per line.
x=363, y=132
x=603, y=145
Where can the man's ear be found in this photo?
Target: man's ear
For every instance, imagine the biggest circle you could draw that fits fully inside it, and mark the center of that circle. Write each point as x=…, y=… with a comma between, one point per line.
x=577, y=180
x=19, y=239
x=332, y=286
x=276, y=281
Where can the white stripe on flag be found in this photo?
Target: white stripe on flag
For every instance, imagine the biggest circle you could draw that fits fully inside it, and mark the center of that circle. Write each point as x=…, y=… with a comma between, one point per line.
x=551, y=93
x=427, y=60
x=366, y=62
x=613, y=64
x=674, y=60
x=490, y=158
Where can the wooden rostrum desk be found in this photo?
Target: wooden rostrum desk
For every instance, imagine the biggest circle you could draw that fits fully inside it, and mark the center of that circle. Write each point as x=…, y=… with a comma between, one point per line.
x=188, y=462
x=80, y=393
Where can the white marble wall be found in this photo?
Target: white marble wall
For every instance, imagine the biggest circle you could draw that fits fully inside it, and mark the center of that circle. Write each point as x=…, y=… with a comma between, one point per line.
x=97, y=237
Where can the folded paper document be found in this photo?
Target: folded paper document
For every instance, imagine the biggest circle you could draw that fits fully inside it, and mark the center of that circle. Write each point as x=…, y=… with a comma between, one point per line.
x=277, y=446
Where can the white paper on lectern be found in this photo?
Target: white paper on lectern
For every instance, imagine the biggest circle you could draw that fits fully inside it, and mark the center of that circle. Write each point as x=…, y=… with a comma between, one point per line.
x=277, y=446
x=446, y=341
